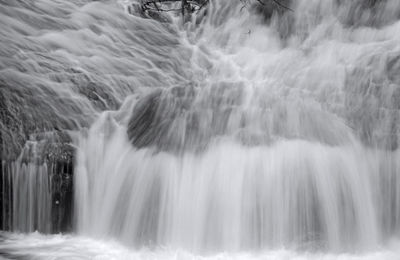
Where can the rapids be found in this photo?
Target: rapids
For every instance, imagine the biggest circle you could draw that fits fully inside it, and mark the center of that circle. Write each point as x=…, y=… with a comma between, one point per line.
x=241, y=129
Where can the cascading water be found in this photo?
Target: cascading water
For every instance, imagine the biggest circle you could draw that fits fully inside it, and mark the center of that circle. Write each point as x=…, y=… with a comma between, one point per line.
x=242, y=128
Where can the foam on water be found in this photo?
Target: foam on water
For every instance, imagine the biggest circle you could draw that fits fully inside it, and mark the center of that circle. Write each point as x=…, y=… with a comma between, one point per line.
x=45, y=247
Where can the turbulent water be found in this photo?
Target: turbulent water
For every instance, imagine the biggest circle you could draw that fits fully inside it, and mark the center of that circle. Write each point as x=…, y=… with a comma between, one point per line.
x=38, y=247
x=241, y=131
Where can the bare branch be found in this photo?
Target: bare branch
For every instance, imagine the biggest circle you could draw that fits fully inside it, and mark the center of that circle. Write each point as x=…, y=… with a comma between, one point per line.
x=278, y=3
x=191, y=6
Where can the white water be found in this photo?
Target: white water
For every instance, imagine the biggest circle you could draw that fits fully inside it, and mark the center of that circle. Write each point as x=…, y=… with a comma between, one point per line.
x=258, y=137
x=32, y=196
x=232, y=197
x=280, y=163
x=45, y=247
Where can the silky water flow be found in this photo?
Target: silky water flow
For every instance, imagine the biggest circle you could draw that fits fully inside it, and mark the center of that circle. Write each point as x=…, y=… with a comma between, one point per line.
x=240, y=131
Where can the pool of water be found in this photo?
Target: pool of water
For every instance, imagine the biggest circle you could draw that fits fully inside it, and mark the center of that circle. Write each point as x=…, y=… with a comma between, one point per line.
x=55, y=247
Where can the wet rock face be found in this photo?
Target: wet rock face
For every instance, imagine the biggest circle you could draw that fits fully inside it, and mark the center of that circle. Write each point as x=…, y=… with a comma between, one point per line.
x=34, y=141
x=96, y=93
x=25, y=111
x=142, y=128
x=61, y=65
x=180, y=118
x=369, y=13
x=373, y=102
x=35, y=121
x=279, y=14
x=350, y=13
x=269, y=8
x=191, y=118
x=163, y=119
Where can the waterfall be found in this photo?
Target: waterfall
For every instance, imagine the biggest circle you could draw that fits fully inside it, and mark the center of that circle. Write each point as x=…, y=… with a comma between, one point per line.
x=236, y=197
x=279, y=140
x=28, y=181
x=36, y=191
x=243, y=127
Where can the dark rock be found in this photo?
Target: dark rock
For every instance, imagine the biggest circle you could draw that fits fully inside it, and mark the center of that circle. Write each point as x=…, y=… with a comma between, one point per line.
x=370, y=13
x=279, y=14
x=373, y=103
x=30, y=135
x=142, y=128
x=97, y=94
x=24, y=112
x=179, y=118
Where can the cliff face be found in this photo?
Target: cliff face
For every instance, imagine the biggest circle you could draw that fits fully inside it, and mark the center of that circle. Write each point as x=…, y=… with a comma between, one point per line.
x=61, y=65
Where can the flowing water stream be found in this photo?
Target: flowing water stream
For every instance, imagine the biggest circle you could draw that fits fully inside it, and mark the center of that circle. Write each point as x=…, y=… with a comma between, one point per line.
x=241, y=131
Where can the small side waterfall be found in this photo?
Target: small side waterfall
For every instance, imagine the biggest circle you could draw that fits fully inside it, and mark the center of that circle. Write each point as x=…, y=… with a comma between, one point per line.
x=37, y=190
x=27, y=187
